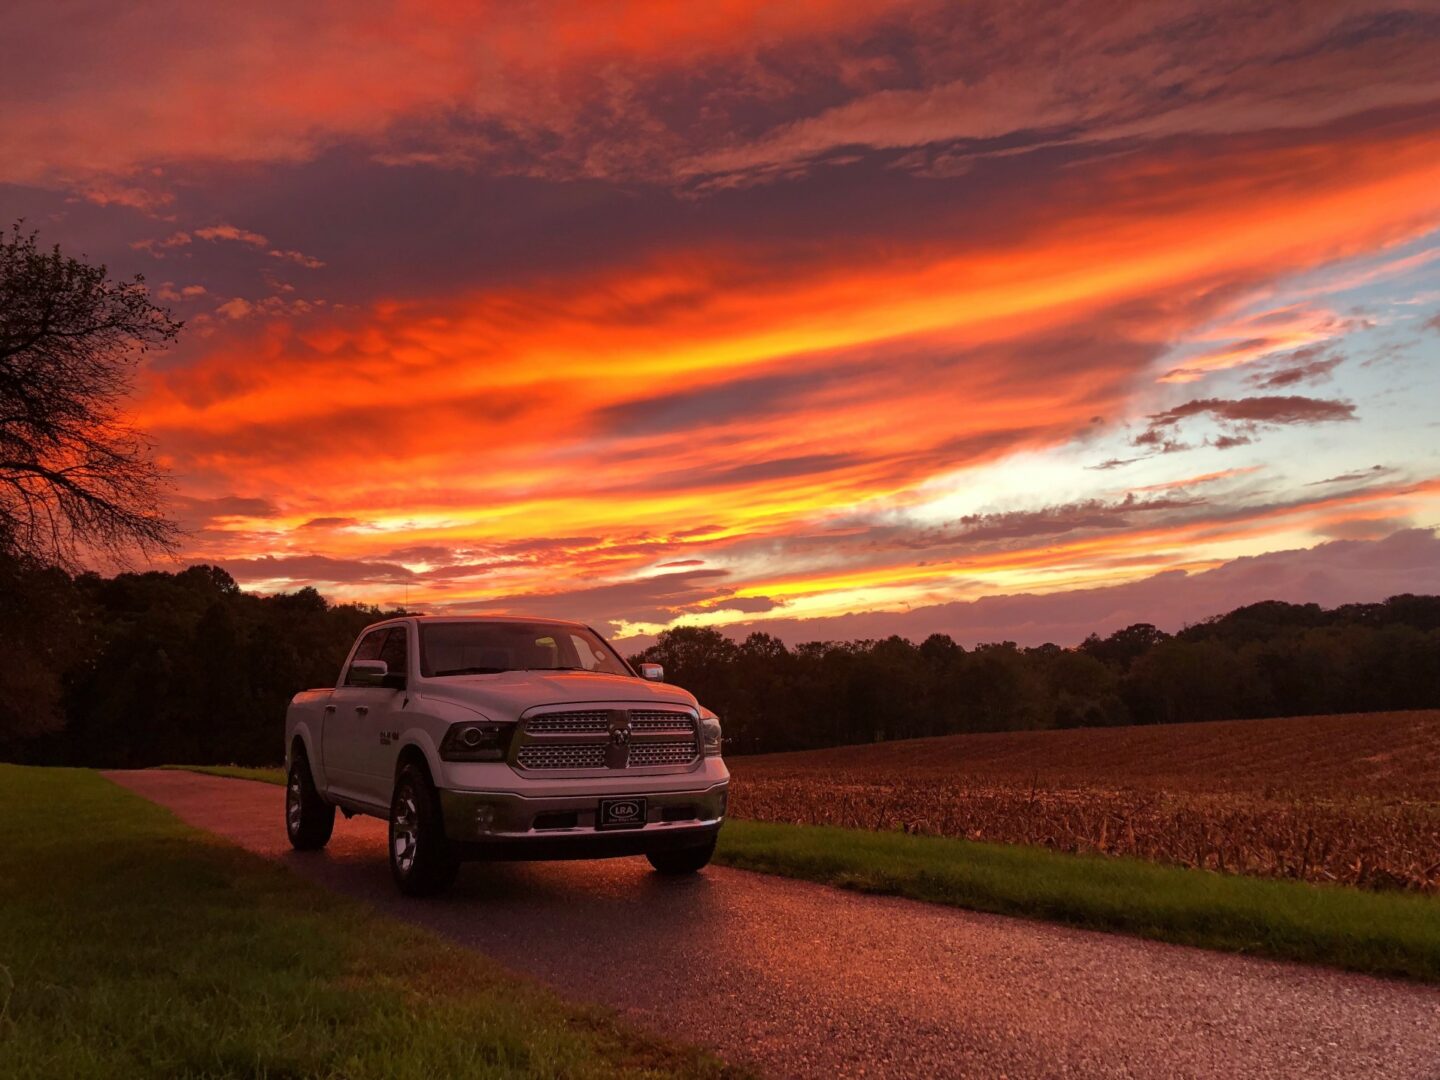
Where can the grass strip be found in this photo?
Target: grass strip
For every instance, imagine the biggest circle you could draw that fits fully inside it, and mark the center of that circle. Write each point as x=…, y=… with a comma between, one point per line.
x=268, y=774
x=133, y=945
x=1379, y=933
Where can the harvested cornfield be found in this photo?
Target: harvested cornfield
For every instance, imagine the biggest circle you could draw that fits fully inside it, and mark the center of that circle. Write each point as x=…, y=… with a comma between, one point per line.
x=1353, y=799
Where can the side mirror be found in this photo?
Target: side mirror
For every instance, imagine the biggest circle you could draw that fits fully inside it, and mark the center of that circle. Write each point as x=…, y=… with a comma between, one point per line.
x=653, y=672
x=367, y=673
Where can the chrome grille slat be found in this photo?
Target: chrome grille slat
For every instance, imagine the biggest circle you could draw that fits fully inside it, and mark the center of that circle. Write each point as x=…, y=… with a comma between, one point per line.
x=568, y=722
x=645, y=754
x=657, y=720
x=562, y=756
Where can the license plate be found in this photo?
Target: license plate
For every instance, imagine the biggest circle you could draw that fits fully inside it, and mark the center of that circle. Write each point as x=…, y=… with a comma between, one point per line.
x=623, y=813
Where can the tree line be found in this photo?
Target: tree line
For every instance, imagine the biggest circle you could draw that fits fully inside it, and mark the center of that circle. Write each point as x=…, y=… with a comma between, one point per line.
x=1266, y=659
x=144, y=668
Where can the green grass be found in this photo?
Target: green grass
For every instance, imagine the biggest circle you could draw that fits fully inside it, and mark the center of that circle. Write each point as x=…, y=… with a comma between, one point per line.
x=132, y=945
x=1381, y=933
x=269, y=774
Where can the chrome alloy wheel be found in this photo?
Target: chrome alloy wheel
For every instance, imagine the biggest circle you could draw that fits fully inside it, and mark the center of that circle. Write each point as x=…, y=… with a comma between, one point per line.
x=404, y=830
x=294, y=796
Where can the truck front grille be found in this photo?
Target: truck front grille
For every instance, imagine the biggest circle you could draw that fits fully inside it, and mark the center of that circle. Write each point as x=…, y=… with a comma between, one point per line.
x=608, y=739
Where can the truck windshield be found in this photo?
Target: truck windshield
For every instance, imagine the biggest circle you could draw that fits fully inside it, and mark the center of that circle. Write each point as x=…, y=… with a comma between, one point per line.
x=488, y=648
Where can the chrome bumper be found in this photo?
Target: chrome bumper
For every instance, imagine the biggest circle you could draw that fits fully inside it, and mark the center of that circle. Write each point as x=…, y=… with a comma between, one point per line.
x=493, y=823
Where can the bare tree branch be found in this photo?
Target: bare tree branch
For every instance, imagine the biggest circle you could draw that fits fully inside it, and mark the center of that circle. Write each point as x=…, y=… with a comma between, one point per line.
x=74, y=477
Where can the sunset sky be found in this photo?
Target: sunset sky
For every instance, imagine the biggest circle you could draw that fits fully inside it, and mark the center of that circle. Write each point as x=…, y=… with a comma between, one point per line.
x=1004, y=319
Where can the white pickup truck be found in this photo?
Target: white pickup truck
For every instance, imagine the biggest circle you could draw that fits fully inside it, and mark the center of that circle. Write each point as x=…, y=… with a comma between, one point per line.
x=504, y=738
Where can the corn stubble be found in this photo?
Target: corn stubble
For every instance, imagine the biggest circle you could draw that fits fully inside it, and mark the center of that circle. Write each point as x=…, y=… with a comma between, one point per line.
x=1290, y=808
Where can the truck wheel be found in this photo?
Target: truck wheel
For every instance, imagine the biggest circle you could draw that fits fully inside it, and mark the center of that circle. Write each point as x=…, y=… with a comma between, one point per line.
x=309, y=819
x=682, y=860
x=421, y=858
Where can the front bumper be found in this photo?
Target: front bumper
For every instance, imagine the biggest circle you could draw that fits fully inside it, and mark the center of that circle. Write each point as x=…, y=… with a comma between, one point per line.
x=509, y=825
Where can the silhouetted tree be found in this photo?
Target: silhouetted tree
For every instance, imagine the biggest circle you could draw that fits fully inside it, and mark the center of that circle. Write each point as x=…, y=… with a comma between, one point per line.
x=1123, y=647
x=41, y=638
x=74, y=477
x=1182, y=681
x=1083, y=691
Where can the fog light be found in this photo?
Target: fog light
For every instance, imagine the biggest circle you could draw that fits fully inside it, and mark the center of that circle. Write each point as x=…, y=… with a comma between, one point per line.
x=485, y=819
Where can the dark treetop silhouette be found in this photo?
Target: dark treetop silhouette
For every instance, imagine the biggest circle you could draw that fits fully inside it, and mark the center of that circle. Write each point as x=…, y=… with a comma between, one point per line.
x=144, y=668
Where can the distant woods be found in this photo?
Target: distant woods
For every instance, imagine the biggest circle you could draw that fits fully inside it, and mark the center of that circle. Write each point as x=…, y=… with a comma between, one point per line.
x=144, y=668
x=1267, y=659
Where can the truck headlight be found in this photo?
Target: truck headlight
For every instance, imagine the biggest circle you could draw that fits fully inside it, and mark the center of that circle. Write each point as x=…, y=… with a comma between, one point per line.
x=476, y=741
x=710, y=735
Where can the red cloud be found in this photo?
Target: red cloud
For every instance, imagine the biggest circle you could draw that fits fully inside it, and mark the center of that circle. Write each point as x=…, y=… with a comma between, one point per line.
x=647, y=88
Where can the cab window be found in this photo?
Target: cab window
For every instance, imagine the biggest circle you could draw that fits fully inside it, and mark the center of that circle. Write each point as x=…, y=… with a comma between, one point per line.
x=394, y=652
x=368, y=649
x=546, y=653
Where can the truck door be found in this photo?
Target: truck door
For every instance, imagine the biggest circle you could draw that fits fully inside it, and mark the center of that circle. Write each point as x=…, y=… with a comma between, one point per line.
x=383, y=721
x=341, y=739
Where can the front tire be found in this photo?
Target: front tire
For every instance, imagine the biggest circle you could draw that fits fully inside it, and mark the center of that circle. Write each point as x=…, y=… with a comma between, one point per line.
x=422, y=860
x=309, y=819
x=682, y=861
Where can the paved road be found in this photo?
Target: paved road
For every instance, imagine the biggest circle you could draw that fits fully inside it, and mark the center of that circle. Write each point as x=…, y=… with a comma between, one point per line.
x=804, y=980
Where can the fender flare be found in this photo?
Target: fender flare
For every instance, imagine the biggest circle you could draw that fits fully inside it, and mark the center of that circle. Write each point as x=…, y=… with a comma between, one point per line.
x=418, y=740
x=302, y=735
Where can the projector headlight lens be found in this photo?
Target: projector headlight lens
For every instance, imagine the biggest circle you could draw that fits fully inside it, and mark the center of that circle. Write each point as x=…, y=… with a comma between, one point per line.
x=483, y=741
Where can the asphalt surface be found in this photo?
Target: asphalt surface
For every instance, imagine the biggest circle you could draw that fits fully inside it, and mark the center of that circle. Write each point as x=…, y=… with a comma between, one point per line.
x=807, y=981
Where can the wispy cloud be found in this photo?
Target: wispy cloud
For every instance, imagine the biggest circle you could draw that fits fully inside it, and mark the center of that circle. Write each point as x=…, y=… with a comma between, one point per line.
x=1302, y=366
x=1239, y=419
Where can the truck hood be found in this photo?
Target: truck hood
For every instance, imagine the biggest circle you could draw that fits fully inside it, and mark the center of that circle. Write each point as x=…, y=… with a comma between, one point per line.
x=506, y=695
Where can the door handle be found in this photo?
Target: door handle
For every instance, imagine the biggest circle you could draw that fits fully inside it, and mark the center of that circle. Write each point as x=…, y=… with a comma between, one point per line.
x=361, y=710
x=329, y=708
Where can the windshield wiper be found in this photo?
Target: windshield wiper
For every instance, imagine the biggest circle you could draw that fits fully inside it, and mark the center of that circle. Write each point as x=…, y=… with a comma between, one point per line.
x=473, y=671
x=593, y=671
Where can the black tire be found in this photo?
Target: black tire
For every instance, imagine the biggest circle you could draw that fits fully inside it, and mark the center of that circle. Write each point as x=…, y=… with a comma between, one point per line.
x=309, y=819
x=422, y=860
x=681, y=861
